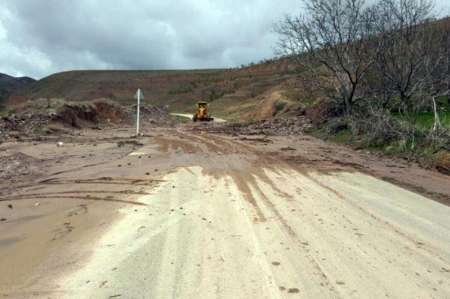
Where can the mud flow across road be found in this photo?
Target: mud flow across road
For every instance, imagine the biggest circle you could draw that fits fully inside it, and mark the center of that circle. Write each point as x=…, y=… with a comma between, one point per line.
x=190, y=116
x=184, y=213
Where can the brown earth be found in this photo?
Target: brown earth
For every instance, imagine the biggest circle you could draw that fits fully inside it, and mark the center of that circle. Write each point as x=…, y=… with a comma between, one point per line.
x=63, y=200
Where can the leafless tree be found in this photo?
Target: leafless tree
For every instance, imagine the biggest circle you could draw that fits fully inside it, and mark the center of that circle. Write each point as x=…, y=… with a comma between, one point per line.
x=334, y=40
x=437, y=67
x=408, y=44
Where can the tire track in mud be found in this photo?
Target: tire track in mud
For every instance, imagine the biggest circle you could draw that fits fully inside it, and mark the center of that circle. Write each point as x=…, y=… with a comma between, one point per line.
x=391, y=237
x=292, y=234
x=420, y=244
x=124, y=192
x=88, y=198
x=261, y=193
x=167, y=143
x=265, y=265
x=102, y=181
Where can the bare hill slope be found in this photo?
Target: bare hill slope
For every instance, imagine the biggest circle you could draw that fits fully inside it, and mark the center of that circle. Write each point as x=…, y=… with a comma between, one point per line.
x=231, y=92
x=9, y=84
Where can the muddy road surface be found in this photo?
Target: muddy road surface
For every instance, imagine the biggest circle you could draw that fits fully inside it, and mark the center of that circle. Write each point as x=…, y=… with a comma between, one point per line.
x=186, y=213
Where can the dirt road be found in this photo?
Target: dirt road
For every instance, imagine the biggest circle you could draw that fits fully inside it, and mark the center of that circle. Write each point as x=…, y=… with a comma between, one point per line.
x=183, y=213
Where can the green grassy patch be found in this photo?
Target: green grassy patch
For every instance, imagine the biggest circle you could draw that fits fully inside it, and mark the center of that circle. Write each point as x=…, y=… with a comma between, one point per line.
x=425, y=120
x=344, y=136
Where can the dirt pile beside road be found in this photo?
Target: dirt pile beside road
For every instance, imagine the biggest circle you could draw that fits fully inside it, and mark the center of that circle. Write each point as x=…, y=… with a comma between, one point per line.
x=18, y=126
x=92, y=114
x=443, y=162
x=42, y=118
x=153, y=115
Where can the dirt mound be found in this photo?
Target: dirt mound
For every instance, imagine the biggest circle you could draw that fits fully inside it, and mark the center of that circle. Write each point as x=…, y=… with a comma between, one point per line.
x=94, y=114
x=443, y=162
x=153, y=115
x=270, y=105
x=275, y=127
x=76, y=116
x=22, y=125
x=280, y=126
x=110, y=112
x=37, y=119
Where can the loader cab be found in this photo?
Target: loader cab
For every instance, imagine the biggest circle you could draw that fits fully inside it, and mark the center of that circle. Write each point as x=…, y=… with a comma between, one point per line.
x=201, y=113
x=202, y=105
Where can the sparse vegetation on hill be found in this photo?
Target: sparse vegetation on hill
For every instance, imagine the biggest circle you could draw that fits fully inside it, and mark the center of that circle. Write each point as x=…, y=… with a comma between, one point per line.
x=176, y=90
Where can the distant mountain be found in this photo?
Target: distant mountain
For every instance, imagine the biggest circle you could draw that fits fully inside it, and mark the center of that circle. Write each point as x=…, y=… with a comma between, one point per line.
x=9, y=85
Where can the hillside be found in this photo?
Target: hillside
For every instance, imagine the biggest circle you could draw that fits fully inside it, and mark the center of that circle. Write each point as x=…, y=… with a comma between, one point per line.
x=9, y=85
x=232, y=92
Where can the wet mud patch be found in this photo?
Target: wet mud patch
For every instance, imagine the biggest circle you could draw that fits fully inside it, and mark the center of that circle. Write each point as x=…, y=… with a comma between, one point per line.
x=60, y=197
x=9, y=241
x=18, y=164
x=256, y=140
x=439, y=197
x=168, y=144
x=243, y=182
x=102, y=181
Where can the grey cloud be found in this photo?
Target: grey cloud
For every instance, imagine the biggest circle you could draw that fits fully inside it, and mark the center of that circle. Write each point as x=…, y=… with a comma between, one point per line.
x=60, y=35
x=41, y=37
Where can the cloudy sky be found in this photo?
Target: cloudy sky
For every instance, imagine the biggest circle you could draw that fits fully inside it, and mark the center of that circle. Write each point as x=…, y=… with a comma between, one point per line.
x=40, y=37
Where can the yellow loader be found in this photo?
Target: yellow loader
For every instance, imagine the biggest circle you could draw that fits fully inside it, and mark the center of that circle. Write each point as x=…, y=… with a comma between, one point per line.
x=202, y=113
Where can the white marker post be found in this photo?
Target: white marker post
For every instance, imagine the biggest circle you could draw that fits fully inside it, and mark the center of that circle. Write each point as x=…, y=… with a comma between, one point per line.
x=139, y=95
